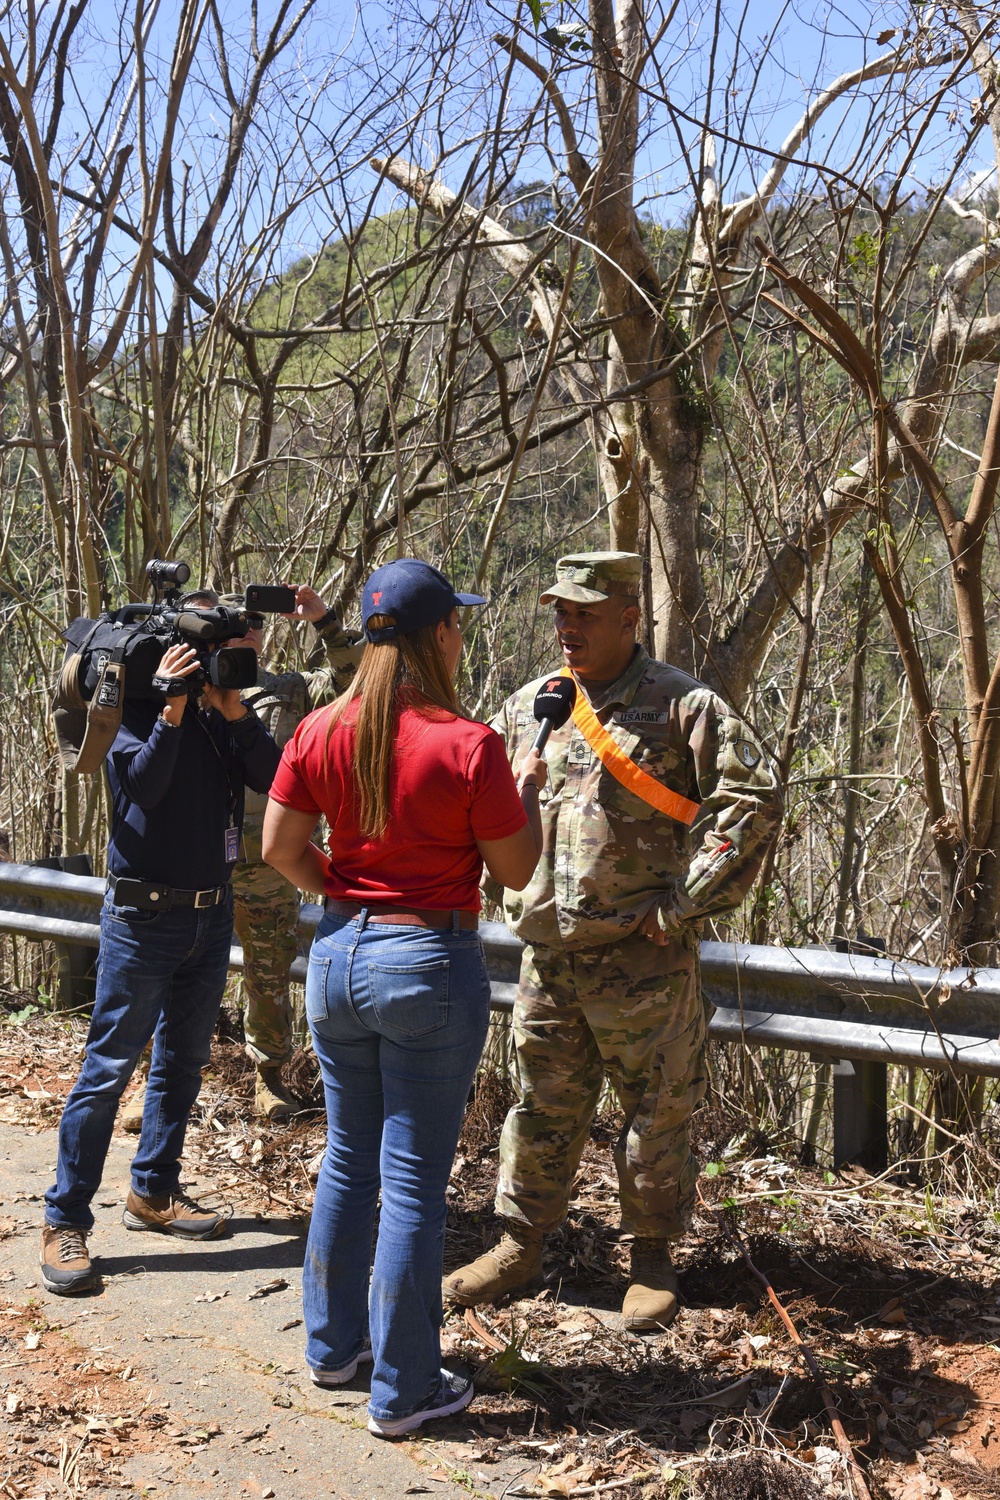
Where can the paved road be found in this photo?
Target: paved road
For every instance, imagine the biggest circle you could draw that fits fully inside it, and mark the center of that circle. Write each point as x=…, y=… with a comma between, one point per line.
x=229, y=1361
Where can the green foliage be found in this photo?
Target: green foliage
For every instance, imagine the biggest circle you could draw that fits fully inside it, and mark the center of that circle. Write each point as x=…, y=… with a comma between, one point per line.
x=570, y=37
x=18, y=1017
x=694, y=401
x=519, y=1372
x=863, y=255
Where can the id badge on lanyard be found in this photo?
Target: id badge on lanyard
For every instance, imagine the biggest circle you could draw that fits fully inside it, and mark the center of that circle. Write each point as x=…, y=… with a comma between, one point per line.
x=232, y=833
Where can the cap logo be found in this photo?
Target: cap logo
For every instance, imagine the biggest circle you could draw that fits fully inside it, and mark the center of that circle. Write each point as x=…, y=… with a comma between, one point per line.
x=377, y=597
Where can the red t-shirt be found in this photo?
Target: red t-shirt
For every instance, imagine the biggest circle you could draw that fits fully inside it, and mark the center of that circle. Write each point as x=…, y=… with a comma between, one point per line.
x=451, y=785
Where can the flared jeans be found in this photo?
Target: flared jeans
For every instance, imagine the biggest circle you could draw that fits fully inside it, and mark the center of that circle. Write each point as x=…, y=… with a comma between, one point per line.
x=398, y=1016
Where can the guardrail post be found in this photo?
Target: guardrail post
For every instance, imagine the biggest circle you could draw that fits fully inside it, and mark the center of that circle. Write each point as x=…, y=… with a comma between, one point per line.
x=860, y=1121
x=76, y=966
x=860, y=1127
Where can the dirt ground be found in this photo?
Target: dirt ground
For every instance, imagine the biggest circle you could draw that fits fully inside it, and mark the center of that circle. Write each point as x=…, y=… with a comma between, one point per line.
x=894, y=1289
x=50, y=1406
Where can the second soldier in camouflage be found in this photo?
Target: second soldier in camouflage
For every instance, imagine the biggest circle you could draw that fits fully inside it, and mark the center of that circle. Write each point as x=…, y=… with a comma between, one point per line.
x=265, y=906
x=609, y=979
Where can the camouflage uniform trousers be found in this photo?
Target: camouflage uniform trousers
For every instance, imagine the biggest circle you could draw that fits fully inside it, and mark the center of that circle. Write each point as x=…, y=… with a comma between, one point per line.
x=631, y=1011
x=266, y=914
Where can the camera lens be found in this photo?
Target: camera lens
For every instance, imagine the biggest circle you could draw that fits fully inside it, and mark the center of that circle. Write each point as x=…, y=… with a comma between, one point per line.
x=234, y=667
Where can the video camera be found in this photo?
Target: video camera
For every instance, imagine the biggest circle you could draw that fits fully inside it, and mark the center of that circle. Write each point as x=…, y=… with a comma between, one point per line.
x=117, y=655
x=137, y=635
x=172, y=622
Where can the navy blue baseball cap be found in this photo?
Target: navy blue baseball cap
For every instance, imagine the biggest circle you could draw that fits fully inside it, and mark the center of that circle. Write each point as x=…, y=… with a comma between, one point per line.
x=414, y=593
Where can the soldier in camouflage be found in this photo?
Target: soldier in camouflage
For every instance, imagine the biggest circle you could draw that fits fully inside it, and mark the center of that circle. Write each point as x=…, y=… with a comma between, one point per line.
x=609, y=982
x=266, y=907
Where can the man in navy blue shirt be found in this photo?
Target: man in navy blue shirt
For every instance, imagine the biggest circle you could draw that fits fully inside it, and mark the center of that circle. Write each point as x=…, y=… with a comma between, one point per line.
x=177, y=778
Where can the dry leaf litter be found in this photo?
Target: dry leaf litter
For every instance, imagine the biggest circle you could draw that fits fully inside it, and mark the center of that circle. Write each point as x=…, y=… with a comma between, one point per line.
x=894, y=1288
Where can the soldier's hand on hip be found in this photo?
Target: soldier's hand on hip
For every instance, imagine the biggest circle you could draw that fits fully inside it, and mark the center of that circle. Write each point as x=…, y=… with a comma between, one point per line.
x=650, y=927
x=659, y=926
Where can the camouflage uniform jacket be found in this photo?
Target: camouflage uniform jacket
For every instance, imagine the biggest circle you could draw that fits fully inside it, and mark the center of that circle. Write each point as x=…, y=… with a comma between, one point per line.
x=281, y=702
x=608, y=855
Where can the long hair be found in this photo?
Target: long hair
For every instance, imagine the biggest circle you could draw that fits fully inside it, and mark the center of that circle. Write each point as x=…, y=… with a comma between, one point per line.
x=408, y=672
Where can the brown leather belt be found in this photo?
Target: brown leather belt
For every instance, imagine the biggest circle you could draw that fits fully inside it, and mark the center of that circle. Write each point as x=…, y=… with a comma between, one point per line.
x=405, y=916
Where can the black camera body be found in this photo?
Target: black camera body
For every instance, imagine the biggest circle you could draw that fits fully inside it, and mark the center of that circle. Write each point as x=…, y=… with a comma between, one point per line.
x=225, y=666
x=138, y=635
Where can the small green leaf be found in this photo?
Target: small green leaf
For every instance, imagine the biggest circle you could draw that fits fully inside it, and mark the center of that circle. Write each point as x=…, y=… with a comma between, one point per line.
x=535, y=6
x=713, y=1168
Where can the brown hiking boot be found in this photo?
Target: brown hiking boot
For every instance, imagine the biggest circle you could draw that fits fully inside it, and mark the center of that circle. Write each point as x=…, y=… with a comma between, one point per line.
x=65, y=1261
x=272, y=1100
x=173, y=1213
x=651, y=1300
x=512, y=1264
x=132, y=1113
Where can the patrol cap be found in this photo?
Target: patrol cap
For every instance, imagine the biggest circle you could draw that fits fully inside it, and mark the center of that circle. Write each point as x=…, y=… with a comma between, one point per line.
x=414, y=593
x=589, y=577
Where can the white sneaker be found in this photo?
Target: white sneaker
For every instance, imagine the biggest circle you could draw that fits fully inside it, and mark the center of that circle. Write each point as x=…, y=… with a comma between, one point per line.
x=344, y=1374
x=455, y=1393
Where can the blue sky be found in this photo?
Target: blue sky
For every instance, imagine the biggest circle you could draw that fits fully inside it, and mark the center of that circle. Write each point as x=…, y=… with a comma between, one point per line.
x=359, y=76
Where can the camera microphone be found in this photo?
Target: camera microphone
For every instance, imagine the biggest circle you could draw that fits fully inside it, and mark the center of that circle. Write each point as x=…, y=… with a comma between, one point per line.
x=553, y=706
x=199, y=626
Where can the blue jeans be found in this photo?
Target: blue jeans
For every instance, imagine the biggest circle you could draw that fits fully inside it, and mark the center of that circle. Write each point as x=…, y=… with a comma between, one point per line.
x=160, y=975
x=398, y=1017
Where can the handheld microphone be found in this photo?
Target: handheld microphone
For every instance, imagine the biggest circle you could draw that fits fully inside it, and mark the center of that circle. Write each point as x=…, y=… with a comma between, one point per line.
x=553, y=706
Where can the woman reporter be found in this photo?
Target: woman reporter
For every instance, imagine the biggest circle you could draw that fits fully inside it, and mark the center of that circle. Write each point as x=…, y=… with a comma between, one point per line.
x=418, y=798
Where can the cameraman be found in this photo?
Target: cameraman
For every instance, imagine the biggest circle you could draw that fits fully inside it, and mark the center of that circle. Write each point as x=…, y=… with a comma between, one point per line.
x=265, y=906
x=177, y=779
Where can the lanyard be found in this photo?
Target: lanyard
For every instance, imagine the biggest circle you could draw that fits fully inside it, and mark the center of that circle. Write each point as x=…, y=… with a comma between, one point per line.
x=224, y=762
x=623, y=768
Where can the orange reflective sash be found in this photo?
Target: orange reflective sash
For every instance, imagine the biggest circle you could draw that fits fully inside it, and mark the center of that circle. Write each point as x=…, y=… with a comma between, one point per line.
x=623, y=768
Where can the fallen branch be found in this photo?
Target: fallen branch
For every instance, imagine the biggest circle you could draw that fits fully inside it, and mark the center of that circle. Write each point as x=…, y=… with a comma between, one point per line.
x=854, y=1472
x=483, y=1334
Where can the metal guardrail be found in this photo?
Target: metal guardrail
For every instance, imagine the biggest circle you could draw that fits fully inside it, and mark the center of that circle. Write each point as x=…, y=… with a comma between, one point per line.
x=862, y=1012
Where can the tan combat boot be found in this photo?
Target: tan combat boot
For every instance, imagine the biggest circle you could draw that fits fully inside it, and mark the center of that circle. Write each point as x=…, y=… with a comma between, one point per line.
x=512, y=1264
x=651, y=1300
x=132, y=1113
x=272, y=1101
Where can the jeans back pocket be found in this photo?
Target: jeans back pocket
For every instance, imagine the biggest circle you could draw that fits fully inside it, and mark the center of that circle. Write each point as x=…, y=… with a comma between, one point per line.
x=410, y=997
x=317, y=980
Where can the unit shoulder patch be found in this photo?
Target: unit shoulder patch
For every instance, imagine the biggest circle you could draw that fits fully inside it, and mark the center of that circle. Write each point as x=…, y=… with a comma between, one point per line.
x=747, y=754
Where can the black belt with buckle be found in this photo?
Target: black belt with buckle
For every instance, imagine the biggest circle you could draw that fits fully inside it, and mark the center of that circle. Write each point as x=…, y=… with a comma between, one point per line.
x=148, y=896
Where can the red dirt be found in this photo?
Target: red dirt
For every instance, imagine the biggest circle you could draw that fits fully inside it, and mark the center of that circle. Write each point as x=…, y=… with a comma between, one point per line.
x=68, y=1416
